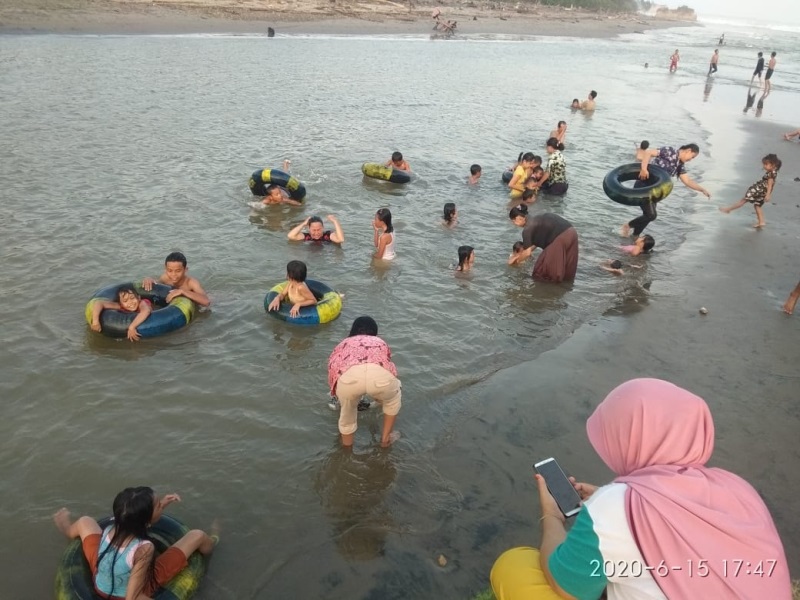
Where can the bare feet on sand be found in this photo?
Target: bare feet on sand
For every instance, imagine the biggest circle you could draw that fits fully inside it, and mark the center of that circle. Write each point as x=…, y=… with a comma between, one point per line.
x=788, y=307
x=758, y=225
x=63, y=520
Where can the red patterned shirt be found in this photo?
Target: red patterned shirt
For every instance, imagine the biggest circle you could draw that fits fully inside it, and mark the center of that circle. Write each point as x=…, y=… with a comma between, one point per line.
x=358, y=350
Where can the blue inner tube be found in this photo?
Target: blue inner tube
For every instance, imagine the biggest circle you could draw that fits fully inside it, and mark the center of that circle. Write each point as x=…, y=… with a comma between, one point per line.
x=656, y=188
x=260, y=179
x=74, y=578
x=327, y=308
x=164, y=318
x=507, y=176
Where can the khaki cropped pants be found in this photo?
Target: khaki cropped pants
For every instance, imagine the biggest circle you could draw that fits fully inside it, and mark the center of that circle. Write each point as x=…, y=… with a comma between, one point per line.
x=372, y=380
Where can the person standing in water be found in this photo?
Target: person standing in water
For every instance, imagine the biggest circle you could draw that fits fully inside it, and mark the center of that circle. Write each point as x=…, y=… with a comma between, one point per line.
x=383, y=238
x=770, y=71
x=673, y=161
x=589, y=103
x=673, y=61
x=641, y=150
x=560, y=133
x=712, y=68
x=759, y=69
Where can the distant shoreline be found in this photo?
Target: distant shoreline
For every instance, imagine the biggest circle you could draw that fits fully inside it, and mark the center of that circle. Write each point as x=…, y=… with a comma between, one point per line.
x=377, y=17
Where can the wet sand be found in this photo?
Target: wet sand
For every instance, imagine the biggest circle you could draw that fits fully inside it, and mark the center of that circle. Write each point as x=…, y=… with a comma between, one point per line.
x=741, y=357
x=306, y=17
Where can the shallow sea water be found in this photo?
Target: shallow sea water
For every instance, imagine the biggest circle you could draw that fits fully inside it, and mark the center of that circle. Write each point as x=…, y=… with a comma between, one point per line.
x=118, y=150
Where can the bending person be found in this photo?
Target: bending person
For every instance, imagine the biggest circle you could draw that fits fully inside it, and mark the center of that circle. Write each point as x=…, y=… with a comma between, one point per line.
x=555, y=236
x=666, y=527
x=317, y=232
x=361, y=364
x=673, y=162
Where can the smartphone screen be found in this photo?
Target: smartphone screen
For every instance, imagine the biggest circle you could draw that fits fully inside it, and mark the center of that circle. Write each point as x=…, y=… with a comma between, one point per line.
x=565, y=495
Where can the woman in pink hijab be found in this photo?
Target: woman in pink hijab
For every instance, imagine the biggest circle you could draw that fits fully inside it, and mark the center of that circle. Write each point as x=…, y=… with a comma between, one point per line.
x=666, y=527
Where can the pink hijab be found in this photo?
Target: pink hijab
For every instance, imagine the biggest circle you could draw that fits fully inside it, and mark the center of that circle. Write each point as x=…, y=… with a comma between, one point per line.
x=657, y=438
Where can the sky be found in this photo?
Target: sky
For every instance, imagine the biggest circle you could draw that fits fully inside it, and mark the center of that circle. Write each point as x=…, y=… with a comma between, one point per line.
x=780, y=11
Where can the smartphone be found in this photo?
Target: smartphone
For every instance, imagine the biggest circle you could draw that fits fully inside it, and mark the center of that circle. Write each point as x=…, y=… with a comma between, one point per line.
x=560, y=487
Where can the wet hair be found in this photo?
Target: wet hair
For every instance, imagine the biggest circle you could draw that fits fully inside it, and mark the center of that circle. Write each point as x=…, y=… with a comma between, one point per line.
x=474, y=169
x=528, y=194
x=773, y=160
x=560, y=123
x=576, y=101
x=385, y=216
x=314, y=219
x=537, y=159
x=528, y=156
x=774, y=54
x=127, y=289
x=760, y=54
x=517, y=247
x=616, y=264
x=520, y=210
x=364, y=326
x=175, y=257
x=593, y=94
x=537, y=171
x=519, y=158
x=649, y=242
x=554, y=143
x=270, y=188
x=133, y=510
x=463, y=255
x=644, y=145
x=296, y=270
x=449, y=212
x=397, y=156
x=693, y=147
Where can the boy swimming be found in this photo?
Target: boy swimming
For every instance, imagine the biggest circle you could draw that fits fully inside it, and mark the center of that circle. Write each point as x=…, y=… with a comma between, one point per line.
x=398, y=163
x=176, y=274
x=474, y=174
x=297, y=292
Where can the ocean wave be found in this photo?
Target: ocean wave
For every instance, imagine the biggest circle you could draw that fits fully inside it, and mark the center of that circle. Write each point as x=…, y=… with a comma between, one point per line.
x=748, y=23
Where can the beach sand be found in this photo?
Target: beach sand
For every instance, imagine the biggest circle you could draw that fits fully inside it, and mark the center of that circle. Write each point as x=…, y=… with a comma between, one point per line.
x=332, y=17
x=742, y=277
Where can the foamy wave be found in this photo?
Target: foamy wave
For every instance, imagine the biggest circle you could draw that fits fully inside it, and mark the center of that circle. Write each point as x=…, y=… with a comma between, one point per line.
x=748, y=23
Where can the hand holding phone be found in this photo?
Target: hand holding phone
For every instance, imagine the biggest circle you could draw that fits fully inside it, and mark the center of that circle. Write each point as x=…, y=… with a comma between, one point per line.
x=562, y=490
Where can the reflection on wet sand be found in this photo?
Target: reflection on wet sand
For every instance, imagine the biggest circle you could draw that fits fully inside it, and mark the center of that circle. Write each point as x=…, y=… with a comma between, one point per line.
x=707, y=89
x=352, y=489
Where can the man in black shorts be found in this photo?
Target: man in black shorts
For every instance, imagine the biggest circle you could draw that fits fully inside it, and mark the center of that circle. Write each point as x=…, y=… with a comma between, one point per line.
x=770, y=71
x=759, y=69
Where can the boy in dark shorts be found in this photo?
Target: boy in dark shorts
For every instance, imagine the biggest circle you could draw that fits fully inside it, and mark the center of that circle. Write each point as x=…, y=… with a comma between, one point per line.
x=759, y=68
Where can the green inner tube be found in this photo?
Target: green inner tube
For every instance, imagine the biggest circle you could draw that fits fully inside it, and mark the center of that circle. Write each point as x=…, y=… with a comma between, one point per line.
x=656, y=188
x=74, y=578
x=385, y=173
